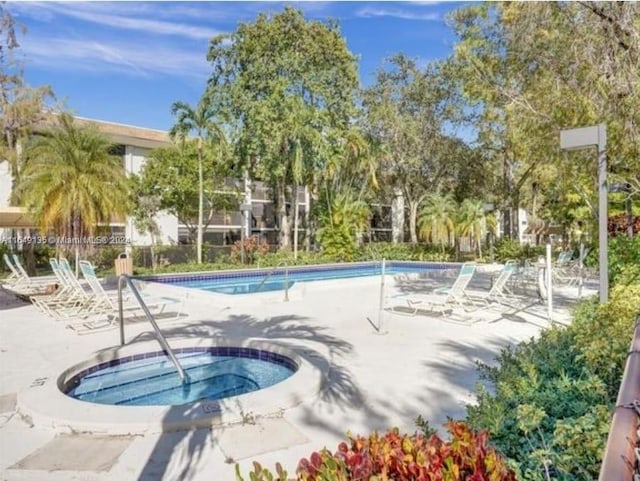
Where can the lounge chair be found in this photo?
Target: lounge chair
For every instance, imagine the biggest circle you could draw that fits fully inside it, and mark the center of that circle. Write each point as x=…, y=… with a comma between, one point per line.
x=14, y=276
x=107, y=303
x=499, y=290
x=568, y=271
x=70, y=300
x=442, y=299
x=19, y=282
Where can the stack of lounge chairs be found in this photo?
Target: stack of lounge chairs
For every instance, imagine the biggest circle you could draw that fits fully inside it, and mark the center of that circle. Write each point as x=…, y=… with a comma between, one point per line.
x=21, y=283
x=82, y=304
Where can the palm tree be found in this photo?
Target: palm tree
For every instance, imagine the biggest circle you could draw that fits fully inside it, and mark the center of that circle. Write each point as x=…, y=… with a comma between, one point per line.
x=202, y=123
x=436, y=218
x=71, y=182
x=342, y=218
x=471, y=222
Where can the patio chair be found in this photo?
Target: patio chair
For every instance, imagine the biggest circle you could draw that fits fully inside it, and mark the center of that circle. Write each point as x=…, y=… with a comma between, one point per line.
x=14, y=276
x=442, y=299
x=70, y=299
x=499, y=291
x=106, y=302
x=564, y=258
x=19, y=282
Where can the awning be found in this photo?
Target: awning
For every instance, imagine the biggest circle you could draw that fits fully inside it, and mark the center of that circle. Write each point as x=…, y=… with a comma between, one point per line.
x=15, y=218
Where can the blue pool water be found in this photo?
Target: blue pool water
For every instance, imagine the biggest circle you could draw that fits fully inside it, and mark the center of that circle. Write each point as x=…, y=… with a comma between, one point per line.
x=254, y=281
x=151, y=379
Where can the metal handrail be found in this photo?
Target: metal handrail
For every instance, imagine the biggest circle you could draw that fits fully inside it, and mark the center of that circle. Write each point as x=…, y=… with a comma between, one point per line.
x=159, y=336
x=286, y=278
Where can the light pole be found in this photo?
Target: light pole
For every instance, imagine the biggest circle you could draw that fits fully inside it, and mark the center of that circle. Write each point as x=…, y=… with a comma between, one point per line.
x=595, y=136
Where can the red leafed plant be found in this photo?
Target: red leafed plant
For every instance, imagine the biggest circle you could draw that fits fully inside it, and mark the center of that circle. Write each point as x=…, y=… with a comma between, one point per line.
x=402, y=457
x=253, y=246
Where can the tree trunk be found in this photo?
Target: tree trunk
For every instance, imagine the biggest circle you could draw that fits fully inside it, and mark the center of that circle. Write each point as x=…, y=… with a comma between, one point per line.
x=307, y=219
x=413, y=220
x=295, y=221
x=628, y=207
x=29, y=255
x=397, y=216
x=154, y=264
x=284, y=233
x=516, y=214
x=200, y=204
x=507, y=229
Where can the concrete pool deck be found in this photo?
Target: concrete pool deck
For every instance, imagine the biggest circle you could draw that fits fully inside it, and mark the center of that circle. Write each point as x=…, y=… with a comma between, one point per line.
x=423, y=365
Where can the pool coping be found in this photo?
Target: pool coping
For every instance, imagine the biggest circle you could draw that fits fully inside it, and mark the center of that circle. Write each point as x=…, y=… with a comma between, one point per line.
x=46, y=406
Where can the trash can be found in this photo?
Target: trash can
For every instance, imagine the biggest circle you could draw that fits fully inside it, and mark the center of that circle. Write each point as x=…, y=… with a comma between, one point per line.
x=124, y=264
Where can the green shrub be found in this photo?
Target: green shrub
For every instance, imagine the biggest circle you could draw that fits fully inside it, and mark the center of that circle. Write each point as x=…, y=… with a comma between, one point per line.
x=42, y=254
x=104, y=257
x=338, y=242
x=404, y=252
x=401, y=457
x=624, y=259
x=508, y=249
x=548, y=400
x=602, y=334
x=189, y=267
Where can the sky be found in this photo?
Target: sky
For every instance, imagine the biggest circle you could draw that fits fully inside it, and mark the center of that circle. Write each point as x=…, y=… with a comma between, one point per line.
x=128, y=62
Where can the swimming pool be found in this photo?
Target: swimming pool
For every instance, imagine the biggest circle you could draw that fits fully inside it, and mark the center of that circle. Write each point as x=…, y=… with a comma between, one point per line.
x=150, y=379
x=263, y=280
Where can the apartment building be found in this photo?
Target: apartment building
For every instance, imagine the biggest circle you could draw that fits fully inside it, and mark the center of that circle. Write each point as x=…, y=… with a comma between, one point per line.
x=133, y=144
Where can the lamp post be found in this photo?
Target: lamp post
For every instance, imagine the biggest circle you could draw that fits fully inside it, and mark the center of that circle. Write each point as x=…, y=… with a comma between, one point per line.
x=595, y=136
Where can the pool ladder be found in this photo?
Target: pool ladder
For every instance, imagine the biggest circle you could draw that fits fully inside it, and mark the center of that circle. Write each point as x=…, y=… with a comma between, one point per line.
x=286, y=279
x=159, y=336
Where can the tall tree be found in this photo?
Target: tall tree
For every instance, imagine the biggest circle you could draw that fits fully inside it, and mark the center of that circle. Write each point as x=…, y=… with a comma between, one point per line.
x=405, y=112
x=71, y=182
x=531, y=69
x=172, y=174
x=471, y=222
x=287, y=85
x=346, y=187
x=437, y=219
x=21, y=108
x=202, y=122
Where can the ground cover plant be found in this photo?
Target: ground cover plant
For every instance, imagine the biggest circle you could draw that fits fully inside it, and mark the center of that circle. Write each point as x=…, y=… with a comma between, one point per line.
x=400, y=457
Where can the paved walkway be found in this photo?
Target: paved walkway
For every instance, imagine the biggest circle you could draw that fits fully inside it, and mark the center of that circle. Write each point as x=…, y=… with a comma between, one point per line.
x=423, y=365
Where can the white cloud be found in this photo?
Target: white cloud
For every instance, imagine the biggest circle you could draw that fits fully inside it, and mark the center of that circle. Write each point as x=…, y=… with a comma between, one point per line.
x=122, y=15
x=122, y=57
x=369, y=12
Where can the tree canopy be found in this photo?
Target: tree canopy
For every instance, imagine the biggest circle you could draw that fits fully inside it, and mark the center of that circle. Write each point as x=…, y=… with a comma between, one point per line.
x=288, y=87
x=71, y=182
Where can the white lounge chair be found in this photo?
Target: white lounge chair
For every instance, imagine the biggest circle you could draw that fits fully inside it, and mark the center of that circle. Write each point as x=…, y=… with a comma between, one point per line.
x=442, y=299
x=70, y=300
x=498, y=292
x=19, y=282
x=107, y=303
